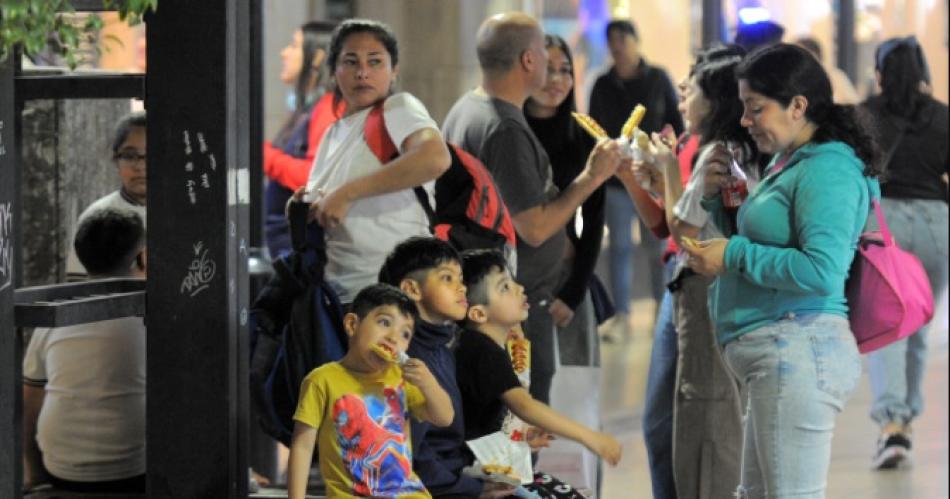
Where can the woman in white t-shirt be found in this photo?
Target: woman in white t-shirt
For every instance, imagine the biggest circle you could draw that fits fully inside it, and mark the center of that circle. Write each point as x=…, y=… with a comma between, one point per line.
x=365, y=206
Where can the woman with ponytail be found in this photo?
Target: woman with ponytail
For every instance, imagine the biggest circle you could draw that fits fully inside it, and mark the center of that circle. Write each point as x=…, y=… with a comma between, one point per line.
x=912, y=130
x=287, y=159
x=778, y=303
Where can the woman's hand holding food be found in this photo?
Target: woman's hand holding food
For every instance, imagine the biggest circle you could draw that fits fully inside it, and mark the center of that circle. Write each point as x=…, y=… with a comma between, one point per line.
x=705, y=257
x=717, y=171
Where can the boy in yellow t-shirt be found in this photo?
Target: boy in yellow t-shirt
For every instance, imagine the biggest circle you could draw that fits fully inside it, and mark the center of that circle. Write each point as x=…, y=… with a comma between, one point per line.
x=355, y=410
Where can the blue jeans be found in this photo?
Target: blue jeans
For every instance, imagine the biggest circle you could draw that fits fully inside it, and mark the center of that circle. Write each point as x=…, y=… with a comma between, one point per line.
x=897, y=370
x=797, y=373
x=658, y=406
x=620, y=215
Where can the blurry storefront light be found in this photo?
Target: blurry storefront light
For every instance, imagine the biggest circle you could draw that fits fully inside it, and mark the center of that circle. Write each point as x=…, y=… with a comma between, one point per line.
x=753, y=15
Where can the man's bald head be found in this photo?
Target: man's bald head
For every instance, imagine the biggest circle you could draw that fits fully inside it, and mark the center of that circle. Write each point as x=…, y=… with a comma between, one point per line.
x=503, y=38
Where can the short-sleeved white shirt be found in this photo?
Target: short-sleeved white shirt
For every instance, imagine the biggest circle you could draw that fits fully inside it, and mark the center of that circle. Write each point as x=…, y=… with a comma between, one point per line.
x=371, y=229
x=92, y=424
x=689, y=208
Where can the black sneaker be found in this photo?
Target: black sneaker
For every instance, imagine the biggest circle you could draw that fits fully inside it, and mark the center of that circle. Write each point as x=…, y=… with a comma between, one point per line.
x=892, y=451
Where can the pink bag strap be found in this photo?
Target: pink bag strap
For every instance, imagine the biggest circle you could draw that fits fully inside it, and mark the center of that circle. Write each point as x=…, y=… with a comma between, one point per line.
x=882, y=223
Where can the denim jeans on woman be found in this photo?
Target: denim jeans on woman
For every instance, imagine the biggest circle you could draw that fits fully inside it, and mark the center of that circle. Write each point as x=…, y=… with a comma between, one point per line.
x=658, y=406
x=897, y=370
x=797, y=374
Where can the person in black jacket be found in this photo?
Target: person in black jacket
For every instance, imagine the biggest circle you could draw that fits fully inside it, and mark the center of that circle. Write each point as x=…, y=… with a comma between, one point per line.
x=548, y=112
x=630, y=81
x=912, y=132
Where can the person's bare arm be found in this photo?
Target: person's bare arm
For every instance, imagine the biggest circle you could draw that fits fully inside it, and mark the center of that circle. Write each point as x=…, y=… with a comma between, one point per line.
x=674, y=191
x=33, y=471
x=520, y=402
x=301, y=456
x=536, y=225
x=647, y=207
x=426, y=157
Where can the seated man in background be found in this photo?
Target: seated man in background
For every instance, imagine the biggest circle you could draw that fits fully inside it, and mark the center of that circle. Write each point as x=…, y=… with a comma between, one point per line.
x=128, y=153
x=84, y=385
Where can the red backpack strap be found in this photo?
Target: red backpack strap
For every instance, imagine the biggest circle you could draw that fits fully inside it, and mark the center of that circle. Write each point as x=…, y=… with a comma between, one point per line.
x=377, y=137
x=381, y=144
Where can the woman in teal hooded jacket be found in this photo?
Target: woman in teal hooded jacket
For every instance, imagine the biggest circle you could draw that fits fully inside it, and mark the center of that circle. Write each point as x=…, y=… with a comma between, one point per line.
x=779, y=304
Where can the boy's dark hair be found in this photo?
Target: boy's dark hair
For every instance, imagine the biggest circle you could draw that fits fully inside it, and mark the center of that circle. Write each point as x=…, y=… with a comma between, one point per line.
x=476, y=265
x=125, y=126
x=379, y=294
x=108, y=241
x=622, y=25
x=414, y=257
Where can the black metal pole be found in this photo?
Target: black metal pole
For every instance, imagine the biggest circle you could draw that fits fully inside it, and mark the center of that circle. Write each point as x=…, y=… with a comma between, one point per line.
x=11, y=392
x=197, y=97
x=847, y=46
x=712, y=22
x=256, y=39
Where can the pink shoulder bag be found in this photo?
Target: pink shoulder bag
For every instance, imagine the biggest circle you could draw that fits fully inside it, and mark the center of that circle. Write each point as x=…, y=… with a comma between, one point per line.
x=889, y=295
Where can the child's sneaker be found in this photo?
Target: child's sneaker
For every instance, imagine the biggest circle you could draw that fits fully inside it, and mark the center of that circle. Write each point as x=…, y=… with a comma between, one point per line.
x=893, y=449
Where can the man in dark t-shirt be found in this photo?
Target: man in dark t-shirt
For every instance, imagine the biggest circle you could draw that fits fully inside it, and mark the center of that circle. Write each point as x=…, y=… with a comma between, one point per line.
x=488, y=122
x=630, y=81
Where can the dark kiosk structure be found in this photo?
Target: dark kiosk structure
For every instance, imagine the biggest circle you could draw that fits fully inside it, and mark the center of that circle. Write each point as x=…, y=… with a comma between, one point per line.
x=202, y=94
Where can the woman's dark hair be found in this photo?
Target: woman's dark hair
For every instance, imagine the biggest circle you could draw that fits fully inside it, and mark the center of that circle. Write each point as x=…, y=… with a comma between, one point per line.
x=781, y=72
x=124, y=127
x=717, y=80
x=383, y=33
x=902, y=66
x=316, y=36
x=716, y=52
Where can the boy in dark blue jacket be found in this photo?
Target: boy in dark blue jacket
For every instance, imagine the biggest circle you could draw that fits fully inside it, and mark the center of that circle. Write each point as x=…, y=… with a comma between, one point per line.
x=429, y=271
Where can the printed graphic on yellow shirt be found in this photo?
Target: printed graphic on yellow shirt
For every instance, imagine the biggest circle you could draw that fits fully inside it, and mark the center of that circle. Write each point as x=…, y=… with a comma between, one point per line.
x=373, y=444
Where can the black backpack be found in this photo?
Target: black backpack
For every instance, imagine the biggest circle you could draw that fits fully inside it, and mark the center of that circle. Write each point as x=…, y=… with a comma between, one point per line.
x=296, y=326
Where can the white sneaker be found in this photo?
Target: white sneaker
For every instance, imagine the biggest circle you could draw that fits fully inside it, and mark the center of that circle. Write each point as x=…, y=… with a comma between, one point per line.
x=893, y=450
x=616, y=330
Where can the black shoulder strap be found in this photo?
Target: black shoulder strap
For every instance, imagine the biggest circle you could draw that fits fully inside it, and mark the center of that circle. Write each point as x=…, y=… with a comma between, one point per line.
x=897, y=142
x=423, y=198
